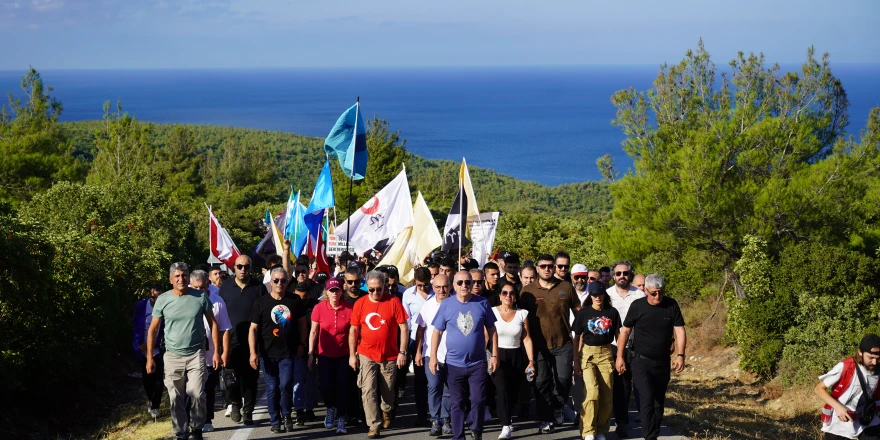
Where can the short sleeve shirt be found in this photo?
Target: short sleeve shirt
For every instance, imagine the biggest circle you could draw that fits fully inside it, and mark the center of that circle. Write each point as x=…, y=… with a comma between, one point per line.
x=333, y=326
x=220, y=317
x=596, y=327
x=412, y=302
x=464, y=324
x=379, y=326
x=278, y=322
x=549, y=310
x=184, y=331
x=652, y=326
x=239, y=302
x=426, y=319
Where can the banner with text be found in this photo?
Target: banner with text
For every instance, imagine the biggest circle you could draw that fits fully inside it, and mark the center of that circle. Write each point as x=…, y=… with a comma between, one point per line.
x=335, y=245
x=482, y=230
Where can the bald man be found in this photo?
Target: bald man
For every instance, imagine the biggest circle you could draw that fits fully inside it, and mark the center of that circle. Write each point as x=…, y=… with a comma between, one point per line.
x=240, y=293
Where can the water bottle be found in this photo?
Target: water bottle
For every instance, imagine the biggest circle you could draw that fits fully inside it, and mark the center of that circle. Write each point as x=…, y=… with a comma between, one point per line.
x=529, y=374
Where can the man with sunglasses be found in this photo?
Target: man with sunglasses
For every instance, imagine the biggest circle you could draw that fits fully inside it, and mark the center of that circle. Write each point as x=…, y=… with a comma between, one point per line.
x=414, y=299
x=351, y=283
x=653, y=320
x=550, y=302
x=240, y=293
x=563, y=263
x=438, y=390
x=623, y=294
x=467, y=321
x=199, y=280
x=377, y=343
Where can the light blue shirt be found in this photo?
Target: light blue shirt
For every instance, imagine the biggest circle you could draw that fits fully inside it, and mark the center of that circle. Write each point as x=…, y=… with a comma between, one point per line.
x=412, y=303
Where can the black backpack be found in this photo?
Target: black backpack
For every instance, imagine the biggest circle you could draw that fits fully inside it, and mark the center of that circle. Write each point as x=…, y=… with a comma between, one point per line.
x=866, y=408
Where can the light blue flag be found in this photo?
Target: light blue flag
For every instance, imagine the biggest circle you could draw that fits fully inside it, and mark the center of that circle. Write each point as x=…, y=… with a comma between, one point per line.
x=313, y=222
x=295, y=230
x=322, y=197
x=348, y=142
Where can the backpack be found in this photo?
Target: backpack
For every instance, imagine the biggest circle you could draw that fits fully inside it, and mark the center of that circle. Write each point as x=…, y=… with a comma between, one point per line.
x=866, y=408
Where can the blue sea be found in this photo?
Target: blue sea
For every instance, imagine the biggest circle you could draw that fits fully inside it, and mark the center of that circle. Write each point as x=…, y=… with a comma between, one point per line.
x=543, y=124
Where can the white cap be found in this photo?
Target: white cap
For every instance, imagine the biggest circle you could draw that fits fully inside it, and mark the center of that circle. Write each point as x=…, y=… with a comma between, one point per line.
x=579, y=269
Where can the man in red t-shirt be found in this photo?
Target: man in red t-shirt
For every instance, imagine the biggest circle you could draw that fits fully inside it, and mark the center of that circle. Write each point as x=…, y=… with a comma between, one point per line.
x=377, y=343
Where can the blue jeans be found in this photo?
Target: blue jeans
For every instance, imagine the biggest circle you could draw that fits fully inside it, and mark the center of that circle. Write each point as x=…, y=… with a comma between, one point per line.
x=467, y=383
x=334, y=373
x=438, y=392
x=305, y=385
x=278, y=374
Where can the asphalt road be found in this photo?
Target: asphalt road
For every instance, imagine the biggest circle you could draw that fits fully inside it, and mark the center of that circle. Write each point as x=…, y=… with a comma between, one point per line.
x=225, y=429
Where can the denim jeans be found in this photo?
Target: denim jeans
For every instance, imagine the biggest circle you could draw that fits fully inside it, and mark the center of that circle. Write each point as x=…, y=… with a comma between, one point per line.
x=438, y=392
x=467, y=383
x=278, y=374
x=305, y=385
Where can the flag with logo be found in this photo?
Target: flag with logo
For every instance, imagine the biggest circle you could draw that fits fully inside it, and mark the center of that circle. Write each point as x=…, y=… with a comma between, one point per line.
x=348, y=142
x=222, y=247
x=413, y=244
x=453, y=232
x=377, y=223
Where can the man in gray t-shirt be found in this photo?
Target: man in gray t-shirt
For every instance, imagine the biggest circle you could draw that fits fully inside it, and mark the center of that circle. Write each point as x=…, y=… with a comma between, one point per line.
x=182, y=309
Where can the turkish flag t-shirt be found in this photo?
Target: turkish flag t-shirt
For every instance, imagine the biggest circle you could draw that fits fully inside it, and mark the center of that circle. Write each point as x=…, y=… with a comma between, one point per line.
x=378, y=324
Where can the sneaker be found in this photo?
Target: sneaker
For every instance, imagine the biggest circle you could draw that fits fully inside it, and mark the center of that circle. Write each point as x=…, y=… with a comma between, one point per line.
x=310, y=416
x=511, y=428
x=436, y=429
x=154, y=413
x=373, y=433
x=288, y=424
x=505, y=433
x=247, y=419
x=236, y=414
x=559, y=415
x=447, y=427
x=208, y=427
x=330, y=419
x=340, y=426
x=300, y=417
x=600, y=436
x=589, y=437
x=228, y=410
x=487, y=415
x=386, y=420
x=276, y=429
x=546, y=428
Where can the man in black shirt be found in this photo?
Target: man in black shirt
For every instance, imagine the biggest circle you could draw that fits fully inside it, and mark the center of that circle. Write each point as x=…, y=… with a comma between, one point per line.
x=239, y=294
x=653, y=321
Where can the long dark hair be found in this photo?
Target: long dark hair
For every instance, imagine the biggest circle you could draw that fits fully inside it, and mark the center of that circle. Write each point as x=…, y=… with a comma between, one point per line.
x=501, y=285
x=597, y=287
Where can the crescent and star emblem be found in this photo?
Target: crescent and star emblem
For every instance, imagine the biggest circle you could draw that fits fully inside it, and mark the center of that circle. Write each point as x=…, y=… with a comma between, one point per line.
x=371, y=207
x=370, y=325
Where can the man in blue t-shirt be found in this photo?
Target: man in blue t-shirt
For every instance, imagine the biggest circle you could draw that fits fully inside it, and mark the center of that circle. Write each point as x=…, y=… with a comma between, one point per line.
x=469, y=323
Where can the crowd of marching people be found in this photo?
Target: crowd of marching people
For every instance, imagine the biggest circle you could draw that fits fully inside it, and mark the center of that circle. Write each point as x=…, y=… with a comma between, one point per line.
x=482, y=343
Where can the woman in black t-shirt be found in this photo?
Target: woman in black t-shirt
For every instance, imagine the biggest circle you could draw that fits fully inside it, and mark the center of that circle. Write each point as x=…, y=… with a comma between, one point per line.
x=596, y=325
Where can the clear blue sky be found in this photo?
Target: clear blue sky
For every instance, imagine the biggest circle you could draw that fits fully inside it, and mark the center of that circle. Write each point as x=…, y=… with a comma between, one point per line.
x=52, y=34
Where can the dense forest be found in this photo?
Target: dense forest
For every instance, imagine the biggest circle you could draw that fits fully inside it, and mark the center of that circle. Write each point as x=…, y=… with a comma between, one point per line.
x=747, y=186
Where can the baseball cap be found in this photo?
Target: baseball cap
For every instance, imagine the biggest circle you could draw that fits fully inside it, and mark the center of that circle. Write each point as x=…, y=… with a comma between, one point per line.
x=333, y=283
x=595, y=289
x=869, y=343
x=511, y=258
x=579, y=269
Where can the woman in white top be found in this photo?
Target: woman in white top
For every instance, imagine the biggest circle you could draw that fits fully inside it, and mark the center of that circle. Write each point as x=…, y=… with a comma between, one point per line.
x=513, y=336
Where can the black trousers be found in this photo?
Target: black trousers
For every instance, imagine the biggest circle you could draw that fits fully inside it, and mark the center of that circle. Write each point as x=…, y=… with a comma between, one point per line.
x=872, y=433
x=507, y=380
x=153, y=383
x=651, y=378
x=623, y=387
x=244, y=394
x=552, y=379
x=211, y=393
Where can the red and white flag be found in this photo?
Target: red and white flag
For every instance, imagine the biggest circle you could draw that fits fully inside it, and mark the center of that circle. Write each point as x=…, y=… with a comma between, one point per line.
x=222, y=246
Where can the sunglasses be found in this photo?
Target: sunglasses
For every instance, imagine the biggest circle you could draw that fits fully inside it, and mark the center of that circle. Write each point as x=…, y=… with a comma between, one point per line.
x=351, y=282
x=562, y=266
x=279, y=280
x=376, y=289
x=421, y=286
x=465, y=282
x=624, y=273
x=243, y=266
x=655, y=293
x=506, y=293
x=545, y=266
x=583, y=277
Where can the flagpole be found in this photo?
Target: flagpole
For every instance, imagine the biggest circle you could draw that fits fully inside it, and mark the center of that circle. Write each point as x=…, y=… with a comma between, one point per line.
x=462, y=217
x=351, y=182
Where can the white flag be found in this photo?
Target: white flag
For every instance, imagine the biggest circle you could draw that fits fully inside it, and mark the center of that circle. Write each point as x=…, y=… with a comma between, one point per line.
x=377, y=223
x=483, y=235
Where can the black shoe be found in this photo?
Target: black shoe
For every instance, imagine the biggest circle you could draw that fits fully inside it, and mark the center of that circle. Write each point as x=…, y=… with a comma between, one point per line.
x=276, y=429
x=288, y=424
x=236, y=414
x=300, y=418
x=197, y=434
x=247, y=419
x=310, y=416
x=476, y=435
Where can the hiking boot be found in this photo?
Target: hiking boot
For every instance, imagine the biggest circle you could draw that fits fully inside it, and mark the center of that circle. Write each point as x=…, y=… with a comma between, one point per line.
x=247, y=419
x=386, y=420
x=330, y=419
x=546, y=428
x=236, y=414
x=436, y=429
x=288, y=424
x=373, y=433
x=276, y=429
x=340, y=426
x=300, y=417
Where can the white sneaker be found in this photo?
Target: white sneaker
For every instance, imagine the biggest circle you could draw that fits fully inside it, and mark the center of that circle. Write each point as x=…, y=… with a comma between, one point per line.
x=589, y=437
x=505, y=433
x=546, y=428
x=228, y=411
x=154, y=413
x=330, y=419
x=511, y=428
x=600, y=436
x=340, y=426
x=559, y=415
x=208, y=427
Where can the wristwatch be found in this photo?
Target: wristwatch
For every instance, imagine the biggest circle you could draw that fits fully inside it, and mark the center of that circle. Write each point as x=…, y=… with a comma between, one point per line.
x=402, y=352
x=680, y=354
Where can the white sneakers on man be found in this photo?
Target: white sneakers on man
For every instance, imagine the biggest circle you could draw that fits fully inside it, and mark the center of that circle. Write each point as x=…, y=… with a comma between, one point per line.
x=594, y=437
x=505, y=433
x=228, y=411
